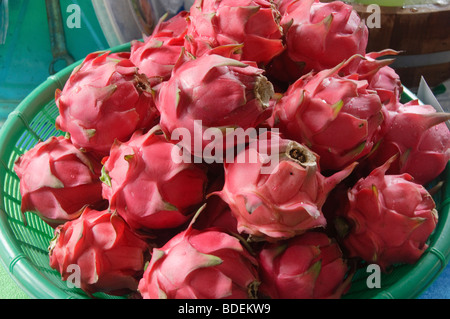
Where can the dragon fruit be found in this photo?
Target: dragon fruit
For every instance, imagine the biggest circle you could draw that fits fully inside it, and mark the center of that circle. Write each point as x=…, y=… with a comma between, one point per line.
x=381, y=77
x=386, y=82
x=57, y=180
x=254, y=24
x=147, y=188
x=335, y=116
x=201, y=264
x=388, y=219
x=158, y=54
x=212, y=92
x=320, y=36
x=101, y=249
x=418, y=134
x=105, y=99
x=275, y=189
x=335, y=24
x=309, y=266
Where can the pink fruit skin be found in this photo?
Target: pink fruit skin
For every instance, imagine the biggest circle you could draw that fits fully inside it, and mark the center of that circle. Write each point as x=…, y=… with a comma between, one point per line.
x=147, y=188
x=158, y=54
x=254, y=24
x=105, y=99
x=57, y=180
x=390, y=219
x=217, y=92
x=386, y=82
x=207, y=264
x=309, y=266
x=419, y=136
x=380, y=76
x=110, y=257
x=337, y=117
x=320, y=35
x=283, y=202
x=282, y=5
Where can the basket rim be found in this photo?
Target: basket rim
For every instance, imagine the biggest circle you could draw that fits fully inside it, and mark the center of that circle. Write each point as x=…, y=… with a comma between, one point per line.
x=36, y=285
x=20, y=268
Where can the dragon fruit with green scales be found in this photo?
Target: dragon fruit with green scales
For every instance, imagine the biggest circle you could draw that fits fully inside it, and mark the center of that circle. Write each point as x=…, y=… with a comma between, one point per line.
x=201, y=264
x=387, y=219
x=105, y=99
x=254, y=24
x=275, y=189
x=420, y=138
x=381, y=77
x=337, y=117
x=308, y=266
x=147, y=188
x=318, y=36
x=103, y=250
x=57, y=180
x=211, y=94
x=157, y=55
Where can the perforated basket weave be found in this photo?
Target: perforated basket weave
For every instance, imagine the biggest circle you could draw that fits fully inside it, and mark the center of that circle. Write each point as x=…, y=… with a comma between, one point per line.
x=24, y=245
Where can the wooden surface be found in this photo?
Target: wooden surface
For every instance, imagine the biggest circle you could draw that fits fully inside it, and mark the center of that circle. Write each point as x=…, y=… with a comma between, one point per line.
x=421, y=31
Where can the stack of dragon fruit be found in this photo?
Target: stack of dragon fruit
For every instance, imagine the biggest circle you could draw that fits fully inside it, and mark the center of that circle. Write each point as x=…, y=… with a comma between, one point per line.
x=353, y=163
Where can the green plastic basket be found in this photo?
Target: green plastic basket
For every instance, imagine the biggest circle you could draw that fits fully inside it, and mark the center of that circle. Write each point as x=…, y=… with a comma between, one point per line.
x=24, y=245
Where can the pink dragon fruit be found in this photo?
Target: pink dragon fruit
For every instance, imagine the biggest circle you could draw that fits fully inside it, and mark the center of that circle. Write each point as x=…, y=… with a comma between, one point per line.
x=416, y=133
x=105, y=99
x=275, y=189
x=335, y=116
x=388, y=219
x=57, y=180
x=386, y=82
x=206, y=264
x=309, y=266
x=380, y=76
x=102, y=250
x=251, y=23
x=158, y=54
x=320, y=36
x=147, y=188
x=212, y=92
